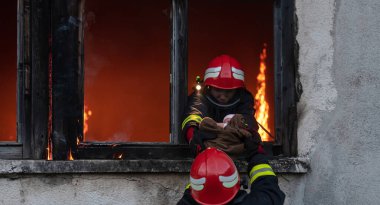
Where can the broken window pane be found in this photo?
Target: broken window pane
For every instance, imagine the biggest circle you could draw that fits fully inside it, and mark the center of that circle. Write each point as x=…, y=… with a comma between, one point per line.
x=239, y=29
x=8, y=71
x=127, y=70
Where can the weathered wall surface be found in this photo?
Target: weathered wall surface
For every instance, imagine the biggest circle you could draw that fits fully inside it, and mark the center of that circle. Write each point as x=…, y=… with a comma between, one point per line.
x=93, y=189
x=339, y=114
x=339, y=111
x=112, y=189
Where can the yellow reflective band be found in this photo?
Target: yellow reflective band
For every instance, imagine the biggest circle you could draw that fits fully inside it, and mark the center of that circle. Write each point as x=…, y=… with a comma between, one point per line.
x=187, y=186
x=195, y=118
x=260, y=174
x=260, y=170
x=259, y=166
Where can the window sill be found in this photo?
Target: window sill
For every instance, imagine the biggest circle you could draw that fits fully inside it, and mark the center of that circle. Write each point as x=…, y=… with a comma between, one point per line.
x=280, y=165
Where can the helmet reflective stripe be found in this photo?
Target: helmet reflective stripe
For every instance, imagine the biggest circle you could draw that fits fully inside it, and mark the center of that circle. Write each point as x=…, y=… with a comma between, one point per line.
x=237, y=71
x=212, y=72
x=197, y=187
x=197, y=184
x=197, y=181
x=260, y=170
x=211, y=75
x=238, y=74
x=228, y=178
x=229, y=181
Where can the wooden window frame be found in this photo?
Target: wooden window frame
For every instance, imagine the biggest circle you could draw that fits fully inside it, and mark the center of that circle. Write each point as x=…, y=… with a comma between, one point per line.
x=50, y=34
x=287, y=85
x=22, y=146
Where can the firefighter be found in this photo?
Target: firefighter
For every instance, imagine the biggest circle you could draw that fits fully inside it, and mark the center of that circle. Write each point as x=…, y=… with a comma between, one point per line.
x=223, y=93
x=214, y=179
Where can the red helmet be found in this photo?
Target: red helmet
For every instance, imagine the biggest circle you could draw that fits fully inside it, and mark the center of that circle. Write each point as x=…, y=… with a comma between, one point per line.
x=214, y=178
x=224, y=72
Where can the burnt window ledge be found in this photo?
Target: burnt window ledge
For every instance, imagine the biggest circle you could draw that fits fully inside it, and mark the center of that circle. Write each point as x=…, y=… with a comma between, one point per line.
x=280, y=165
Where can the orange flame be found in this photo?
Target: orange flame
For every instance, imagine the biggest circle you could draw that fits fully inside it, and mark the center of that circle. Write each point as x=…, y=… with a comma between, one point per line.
x=49, y=150
x=261, y=105
x=118, y=156
x=86, y=116
x=70, y=155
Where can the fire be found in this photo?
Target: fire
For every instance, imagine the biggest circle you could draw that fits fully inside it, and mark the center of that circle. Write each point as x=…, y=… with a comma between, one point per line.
x=86, y=116
x=118, y=156
x=70, y=155
x=261, y=105
x=49, y=150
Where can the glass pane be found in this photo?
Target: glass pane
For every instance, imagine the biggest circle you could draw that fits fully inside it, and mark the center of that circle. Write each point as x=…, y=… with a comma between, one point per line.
x=8, y=70
x=240, y=29
x=127, y=70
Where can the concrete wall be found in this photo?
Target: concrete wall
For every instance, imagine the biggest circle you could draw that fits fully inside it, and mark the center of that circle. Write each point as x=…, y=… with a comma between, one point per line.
x=110, y=189
x=339, y=111
x=339, y=114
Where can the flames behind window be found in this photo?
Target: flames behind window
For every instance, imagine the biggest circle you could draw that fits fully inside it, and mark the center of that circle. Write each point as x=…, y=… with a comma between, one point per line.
x=240, y=29
x=127, y=70
x=8, y=55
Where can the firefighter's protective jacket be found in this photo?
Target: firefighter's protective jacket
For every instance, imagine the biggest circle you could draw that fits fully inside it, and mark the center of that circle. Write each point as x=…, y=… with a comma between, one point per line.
x=200, y=105
x=264, y=186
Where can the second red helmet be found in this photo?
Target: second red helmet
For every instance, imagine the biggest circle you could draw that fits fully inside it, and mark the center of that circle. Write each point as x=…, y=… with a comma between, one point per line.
x=214, y=178
x=224, y=72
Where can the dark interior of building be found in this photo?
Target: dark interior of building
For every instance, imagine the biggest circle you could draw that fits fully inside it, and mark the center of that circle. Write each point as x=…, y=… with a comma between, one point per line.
x=8, y=70
x=127, y=61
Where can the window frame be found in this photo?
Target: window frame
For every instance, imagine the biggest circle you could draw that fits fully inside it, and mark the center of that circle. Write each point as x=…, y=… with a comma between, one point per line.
x=40, y=115
x=288, y=88
x=19, y=148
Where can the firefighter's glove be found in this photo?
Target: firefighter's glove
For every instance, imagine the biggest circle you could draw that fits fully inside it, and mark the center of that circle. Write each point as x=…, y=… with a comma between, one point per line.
x=196, y=143
x=253, y=145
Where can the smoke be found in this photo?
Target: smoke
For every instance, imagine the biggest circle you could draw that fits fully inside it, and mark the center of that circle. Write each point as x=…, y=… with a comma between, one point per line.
x=120, y=137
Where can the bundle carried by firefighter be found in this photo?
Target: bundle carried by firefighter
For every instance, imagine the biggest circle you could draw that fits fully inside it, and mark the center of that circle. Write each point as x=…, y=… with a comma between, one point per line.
x=230, y=134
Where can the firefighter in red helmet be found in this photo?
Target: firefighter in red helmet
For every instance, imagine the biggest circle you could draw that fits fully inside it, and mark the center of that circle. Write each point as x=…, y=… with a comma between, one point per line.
x=212, y=174
x=223, y=94
x=214, y=179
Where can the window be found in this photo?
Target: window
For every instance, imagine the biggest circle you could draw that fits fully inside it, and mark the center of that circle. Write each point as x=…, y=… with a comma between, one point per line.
x=128, y=63
x=8, y=59
x=11, y=142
